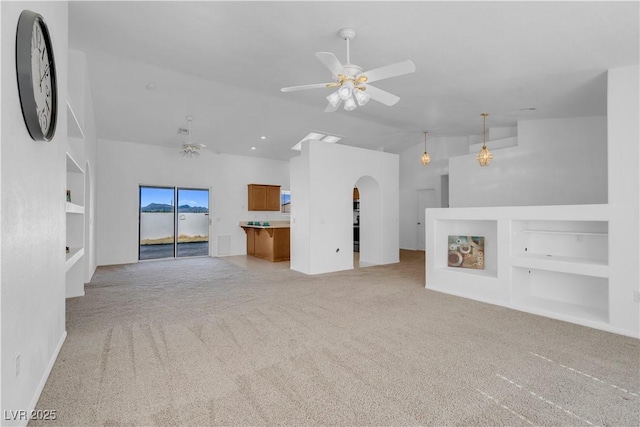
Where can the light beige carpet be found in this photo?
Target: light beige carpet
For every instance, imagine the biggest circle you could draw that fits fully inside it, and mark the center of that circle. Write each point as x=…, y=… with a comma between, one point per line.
x=203, y=342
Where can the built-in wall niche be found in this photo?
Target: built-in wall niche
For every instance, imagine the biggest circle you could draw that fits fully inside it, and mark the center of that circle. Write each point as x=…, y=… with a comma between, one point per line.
x=75, y=226
x=571, y=241
x=481, y=228
x=560, y=294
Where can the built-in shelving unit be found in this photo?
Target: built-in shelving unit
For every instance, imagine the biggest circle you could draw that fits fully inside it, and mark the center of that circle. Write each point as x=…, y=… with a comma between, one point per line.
x=547, y=260
x=78, y=204
x=75, y=229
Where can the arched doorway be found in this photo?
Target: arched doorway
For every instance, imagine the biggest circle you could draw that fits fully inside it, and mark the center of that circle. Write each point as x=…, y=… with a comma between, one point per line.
x=369, y=221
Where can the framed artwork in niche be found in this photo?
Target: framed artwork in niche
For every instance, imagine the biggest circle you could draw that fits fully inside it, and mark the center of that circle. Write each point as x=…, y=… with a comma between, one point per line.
x=466, y=252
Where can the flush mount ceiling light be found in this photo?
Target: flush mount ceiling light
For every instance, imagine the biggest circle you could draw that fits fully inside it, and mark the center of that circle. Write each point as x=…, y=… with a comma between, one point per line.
x=352, y=82
x=316, y=136
x=189, y=148
x=426, y=158
x=484, y=156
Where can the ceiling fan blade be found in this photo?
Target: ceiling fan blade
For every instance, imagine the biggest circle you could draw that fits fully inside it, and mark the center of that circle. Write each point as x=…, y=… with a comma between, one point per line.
x=393, y=70
x=331, y=62
x=382, y=95
x=304, y=87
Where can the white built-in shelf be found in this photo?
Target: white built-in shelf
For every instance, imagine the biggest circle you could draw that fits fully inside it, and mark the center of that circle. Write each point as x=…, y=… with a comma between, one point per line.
x=469, y=271
x=560, y=309
x=563, y=264
x=583, y=233
x=73, y=256
x=72, y=208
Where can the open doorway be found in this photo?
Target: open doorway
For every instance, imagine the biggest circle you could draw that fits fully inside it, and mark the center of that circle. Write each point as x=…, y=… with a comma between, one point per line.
x=426, y=199
x=356, y=220
x=174, y=222
x=370, y=248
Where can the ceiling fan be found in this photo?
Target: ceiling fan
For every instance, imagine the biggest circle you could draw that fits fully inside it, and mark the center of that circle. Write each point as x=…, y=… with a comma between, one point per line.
x=189, y=148
x=352, y=82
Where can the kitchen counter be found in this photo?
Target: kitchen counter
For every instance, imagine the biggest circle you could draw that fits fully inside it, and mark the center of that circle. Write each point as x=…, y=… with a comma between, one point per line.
x=270, y=242
x=272, y=224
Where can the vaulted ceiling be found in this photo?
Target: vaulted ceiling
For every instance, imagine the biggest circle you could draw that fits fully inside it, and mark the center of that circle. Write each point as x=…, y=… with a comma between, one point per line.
x=151, y=64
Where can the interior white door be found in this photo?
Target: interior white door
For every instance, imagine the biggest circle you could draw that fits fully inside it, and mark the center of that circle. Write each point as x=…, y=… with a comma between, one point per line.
x=426, y=199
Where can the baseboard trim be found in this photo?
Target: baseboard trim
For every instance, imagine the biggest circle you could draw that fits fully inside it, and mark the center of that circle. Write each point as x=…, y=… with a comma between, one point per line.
x=45, y=377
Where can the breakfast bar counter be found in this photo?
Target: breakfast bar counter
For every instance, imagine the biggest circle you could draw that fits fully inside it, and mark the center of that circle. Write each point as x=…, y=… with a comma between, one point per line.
x=268, y=240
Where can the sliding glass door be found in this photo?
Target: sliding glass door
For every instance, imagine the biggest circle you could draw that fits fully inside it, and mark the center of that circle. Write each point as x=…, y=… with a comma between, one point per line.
x=169, y=229
x=193, y=222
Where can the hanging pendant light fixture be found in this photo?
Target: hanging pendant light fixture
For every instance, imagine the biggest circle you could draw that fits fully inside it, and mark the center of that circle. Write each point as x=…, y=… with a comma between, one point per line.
x=484, y=156
x=426, y=158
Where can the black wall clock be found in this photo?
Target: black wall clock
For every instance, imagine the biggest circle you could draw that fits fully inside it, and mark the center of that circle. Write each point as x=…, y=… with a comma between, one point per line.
x=36, y=70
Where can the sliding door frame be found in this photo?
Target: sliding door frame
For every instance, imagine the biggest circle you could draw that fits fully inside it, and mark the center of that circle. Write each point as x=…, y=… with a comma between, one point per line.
x=175, y=202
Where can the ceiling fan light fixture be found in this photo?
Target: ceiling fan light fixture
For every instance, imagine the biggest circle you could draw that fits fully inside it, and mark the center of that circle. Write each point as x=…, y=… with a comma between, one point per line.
x=350, y=104
x=334, y=99
x=362, y=97
x=345, y=90
x=189, y=149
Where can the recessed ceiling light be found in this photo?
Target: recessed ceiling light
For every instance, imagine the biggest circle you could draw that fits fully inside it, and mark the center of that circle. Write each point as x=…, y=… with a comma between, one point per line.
x=253, y=148
x=263, y=137
x=151, y=86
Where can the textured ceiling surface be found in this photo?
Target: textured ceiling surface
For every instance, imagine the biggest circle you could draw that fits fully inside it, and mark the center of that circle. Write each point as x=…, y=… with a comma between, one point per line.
x=223, y=63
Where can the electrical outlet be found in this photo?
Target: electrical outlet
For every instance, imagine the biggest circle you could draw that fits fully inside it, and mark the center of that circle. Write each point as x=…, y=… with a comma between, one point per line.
x=578, y=237
x=636, y=296
x=17, y=364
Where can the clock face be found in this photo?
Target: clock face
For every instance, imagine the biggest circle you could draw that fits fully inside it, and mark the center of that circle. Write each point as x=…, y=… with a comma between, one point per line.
x=41, y=78
x=37, y=85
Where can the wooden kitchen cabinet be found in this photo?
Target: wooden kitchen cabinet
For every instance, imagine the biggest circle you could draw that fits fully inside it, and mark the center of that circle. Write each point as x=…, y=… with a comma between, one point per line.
x=264, y=197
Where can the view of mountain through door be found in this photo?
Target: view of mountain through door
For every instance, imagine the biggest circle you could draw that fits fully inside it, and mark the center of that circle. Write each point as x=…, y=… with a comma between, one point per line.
x=193, y=222
x=169, y=229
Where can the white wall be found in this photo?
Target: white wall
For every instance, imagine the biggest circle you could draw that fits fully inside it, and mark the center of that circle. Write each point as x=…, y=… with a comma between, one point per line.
x=556, y=162
x=32, y=292
x=124, y=166
x=414, y=176
x=322, y=219
x=300, y=212
x=623, y=95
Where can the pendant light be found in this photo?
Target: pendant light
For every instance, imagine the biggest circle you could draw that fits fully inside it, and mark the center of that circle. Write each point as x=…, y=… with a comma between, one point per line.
x=484, y=156
x=426, y=158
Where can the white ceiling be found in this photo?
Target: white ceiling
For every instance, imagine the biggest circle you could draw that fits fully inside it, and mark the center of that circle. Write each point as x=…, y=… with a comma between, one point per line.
x=224, y=64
